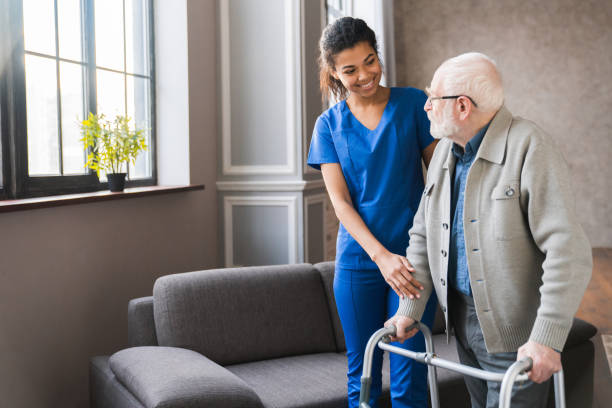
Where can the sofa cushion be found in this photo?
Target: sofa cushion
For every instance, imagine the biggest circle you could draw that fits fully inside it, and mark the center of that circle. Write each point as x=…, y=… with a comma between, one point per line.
x=316, y=380
x=244, y=314
x=178, y=378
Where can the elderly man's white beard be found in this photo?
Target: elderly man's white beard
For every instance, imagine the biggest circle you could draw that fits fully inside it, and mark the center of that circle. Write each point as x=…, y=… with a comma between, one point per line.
x=446, y=127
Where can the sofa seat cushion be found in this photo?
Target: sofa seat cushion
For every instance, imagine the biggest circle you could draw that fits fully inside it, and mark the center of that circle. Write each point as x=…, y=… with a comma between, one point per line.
x=171, y=377
x=314, y=380
x=319, y=380
x=239, y=315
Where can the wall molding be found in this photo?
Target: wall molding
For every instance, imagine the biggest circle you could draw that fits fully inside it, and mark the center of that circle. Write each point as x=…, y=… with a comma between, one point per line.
x=258, y=185
x=293, y=85
x=275, y=201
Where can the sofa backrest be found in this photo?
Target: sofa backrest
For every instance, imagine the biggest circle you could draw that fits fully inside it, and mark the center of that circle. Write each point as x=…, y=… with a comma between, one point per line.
x=237, y=315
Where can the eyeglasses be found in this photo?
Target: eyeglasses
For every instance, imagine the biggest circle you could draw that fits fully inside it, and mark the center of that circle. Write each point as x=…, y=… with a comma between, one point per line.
x=435, y=98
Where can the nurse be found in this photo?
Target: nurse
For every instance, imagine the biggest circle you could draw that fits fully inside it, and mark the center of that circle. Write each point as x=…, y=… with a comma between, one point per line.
x=369, y=148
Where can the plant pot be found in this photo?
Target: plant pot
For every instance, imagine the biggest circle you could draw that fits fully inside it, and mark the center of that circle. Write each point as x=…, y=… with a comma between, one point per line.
x=116, y=182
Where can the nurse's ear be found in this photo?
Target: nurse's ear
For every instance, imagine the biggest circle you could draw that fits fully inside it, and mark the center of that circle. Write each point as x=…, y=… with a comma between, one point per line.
x=334, y=74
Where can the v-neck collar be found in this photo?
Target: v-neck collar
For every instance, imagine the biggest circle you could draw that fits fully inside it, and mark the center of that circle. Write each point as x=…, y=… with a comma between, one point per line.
x=378, y=125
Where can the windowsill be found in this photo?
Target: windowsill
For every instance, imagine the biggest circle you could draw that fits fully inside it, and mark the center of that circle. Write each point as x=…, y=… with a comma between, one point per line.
x=70, y=199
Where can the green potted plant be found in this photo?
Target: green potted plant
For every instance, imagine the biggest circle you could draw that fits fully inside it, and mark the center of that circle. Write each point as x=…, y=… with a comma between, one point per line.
x=110, y=146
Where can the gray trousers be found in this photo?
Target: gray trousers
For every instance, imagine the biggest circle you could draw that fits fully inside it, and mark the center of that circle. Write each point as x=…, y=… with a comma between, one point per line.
x=472, y=351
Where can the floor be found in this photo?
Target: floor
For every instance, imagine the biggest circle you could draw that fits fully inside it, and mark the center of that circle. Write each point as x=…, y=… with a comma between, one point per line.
x=596, y=307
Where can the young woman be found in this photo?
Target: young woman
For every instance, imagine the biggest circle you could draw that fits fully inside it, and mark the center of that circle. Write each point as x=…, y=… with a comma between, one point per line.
x=369, y=148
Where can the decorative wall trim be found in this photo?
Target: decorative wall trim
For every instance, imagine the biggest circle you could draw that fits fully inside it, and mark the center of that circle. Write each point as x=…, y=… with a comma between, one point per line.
x=278, y=201
x=313, y=199
x=293, y=74
x=258, y=185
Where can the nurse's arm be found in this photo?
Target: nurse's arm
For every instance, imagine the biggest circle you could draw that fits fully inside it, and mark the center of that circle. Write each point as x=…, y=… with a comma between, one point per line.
x=428, y=152
x=395, y=268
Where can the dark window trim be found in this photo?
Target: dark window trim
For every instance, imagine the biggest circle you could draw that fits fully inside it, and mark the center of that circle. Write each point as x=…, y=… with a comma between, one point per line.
x=16, y=182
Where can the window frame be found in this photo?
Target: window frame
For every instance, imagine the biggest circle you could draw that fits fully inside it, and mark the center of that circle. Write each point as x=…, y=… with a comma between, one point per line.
x=16, y=182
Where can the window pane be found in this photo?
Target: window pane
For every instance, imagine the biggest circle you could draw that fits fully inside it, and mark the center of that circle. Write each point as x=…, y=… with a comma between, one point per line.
x=39, y=26
x=41, y=106
x=69, y=29
x=139, y=112
x=71, y=83
x=109, y=34
x=111, y=93
x=136, y=33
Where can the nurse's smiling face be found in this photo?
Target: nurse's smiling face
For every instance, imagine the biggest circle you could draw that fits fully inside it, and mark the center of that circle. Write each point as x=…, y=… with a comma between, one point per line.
x=358, y=69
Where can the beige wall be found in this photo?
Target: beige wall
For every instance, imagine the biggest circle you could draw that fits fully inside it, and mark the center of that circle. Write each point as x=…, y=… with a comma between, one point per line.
x=67, y=273
x=556, y=60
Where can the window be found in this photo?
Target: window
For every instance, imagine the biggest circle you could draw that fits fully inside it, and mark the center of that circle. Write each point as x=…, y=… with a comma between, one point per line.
x=61, y=60
x=337, y=9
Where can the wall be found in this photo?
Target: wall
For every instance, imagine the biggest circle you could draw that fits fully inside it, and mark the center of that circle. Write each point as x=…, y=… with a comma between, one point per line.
x=67, y=273
x=556, y=61
x=269, y=100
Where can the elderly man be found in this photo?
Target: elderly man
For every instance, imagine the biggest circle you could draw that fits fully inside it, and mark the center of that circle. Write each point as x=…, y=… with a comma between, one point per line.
x=495, y=234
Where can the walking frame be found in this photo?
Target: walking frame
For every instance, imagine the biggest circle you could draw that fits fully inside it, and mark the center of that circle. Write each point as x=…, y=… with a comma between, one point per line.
x=516, y=372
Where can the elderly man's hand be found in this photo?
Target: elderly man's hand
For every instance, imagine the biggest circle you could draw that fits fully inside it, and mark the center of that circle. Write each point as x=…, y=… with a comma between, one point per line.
x=546, y=361
x=401, y=323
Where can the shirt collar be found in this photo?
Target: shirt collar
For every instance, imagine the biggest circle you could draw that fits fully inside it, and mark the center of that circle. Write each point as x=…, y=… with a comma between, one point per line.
x=472, y=146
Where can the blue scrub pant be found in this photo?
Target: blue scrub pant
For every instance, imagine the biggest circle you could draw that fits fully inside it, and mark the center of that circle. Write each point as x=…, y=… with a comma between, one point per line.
x=365, y=301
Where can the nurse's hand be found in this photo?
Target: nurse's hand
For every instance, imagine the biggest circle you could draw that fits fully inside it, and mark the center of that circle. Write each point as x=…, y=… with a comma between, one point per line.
x=397, y=272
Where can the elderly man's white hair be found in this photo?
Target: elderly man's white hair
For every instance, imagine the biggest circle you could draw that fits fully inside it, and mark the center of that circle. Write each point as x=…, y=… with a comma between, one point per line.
x=476, y=75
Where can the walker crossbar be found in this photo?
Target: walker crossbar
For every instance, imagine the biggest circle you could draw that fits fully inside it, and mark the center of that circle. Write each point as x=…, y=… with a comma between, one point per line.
x=516, y=372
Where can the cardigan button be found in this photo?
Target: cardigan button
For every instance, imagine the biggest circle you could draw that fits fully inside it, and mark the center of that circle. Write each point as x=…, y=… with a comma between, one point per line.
x=442, y=281
x=443, y=309
x=443, y=252
x=445, y=226
x=509, y=192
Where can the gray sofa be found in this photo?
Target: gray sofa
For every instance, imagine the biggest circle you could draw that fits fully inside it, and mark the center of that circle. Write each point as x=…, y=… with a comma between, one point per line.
x=261, y=337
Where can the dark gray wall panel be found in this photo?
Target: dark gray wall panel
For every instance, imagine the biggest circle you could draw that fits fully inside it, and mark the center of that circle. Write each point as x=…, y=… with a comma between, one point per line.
x=315, y=232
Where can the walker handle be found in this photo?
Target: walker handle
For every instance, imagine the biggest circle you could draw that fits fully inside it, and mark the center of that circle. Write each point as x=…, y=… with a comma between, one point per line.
x=393, y=330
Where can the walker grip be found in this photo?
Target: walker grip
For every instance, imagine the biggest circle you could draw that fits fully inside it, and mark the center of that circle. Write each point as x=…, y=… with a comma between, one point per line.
x=393, y=330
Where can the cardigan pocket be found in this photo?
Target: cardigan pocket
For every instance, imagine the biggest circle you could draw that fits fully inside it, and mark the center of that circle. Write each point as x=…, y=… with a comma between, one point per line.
x=507, y=214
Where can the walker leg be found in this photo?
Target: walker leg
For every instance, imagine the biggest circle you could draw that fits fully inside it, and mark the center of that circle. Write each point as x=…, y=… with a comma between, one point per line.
x=368, y=355
x=432, y=375
x=559, y=389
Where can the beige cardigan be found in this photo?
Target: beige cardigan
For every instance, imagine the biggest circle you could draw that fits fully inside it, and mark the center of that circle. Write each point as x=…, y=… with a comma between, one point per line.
x=529, y=259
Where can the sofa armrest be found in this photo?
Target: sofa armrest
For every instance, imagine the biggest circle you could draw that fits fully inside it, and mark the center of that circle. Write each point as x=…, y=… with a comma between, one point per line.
x=580, y=332
x=141, y=324
x=171, y=377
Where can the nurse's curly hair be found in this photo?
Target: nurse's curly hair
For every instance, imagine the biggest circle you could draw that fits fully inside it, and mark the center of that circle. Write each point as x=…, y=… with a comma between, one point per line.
x=338, y=36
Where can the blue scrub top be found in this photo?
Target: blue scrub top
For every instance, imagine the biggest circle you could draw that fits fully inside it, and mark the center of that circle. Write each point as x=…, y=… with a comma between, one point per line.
x=382, y=169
